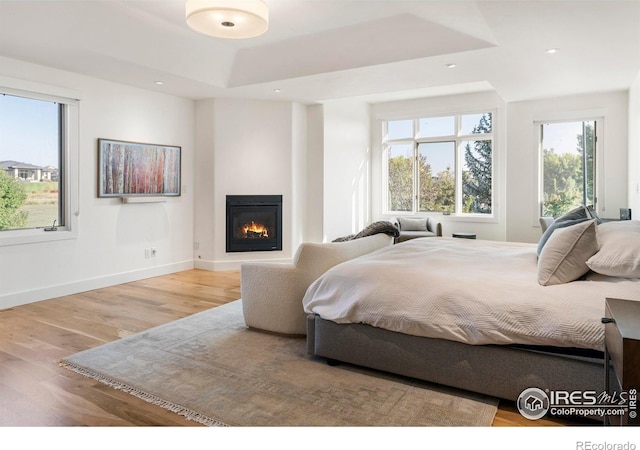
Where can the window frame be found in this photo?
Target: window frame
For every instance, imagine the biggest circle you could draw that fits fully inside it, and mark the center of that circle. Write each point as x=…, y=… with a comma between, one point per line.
x=68, y=164
x=459, y=139
x=598, y=188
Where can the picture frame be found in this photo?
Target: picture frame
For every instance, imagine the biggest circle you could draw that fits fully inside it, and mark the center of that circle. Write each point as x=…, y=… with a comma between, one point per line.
x=137, y=169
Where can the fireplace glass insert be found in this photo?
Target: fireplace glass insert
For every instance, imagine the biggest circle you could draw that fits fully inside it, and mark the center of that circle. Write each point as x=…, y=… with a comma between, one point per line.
x=254, y=223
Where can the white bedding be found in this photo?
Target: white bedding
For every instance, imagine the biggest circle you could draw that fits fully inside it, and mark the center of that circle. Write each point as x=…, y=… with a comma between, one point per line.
x=472, y=291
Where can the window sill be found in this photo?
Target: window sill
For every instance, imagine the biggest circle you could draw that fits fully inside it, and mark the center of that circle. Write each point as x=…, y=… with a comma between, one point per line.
x=471, y=218
x=22, y=237
x=468, y=218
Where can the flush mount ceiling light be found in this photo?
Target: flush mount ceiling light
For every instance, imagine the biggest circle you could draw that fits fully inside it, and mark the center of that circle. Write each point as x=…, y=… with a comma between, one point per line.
x=229, y=19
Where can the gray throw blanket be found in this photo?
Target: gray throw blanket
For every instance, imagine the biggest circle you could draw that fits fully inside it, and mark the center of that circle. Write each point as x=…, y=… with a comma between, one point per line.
x=375, y=228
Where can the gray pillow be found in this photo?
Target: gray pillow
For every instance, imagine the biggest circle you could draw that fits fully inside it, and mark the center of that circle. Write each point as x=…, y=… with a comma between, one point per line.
x=563, y=258
x=573, y=217
x=408, y=224
x=594, y=214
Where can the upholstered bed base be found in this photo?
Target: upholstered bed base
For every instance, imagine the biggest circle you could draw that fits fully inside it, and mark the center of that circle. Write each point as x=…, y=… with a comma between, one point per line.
x=498, y=371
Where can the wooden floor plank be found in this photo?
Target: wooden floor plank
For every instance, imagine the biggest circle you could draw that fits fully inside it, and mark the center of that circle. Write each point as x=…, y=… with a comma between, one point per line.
x=36, y=391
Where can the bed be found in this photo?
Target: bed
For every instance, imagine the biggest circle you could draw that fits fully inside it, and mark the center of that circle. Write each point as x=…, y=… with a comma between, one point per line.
x=474, y=314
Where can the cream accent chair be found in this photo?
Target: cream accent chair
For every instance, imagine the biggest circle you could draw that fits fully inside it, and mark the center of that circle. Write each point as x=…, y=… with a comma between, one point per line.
x=272, y=292
x=411, y=228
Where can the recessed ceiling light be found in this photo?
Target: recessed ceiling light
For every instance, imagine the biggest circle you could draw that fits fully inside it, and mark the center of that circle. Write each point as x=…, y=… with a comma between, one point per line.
x=551, y=51
x=159, y=83
x=277, y=90
x=450, y=65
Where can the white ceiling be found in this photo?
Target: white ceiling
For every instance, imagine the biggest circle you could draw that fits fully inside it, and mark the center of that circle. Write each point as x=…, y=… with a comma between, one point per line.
x=317, y=50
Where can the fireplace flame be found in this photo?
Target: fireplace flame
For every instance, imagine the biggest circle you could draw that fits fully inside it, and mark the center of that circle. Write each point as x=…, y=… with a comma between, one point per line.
x=255, y=230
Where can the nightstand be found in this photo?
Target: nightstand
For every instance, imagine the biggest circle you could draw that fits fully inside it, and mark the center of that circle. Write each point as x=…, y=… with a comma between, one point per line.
x=622, y=348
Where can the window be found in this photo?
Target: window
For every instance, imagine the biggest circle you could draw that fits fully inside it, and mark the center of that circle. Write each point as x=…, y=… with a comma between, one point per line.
x=30, y=151
x=439, y=164
x=568, y=170
x=37, y=187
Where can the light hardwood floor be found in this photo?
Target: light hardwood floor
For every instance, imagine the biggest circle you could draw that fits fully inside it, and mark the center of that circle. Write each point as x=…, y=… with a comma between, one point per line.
x=35, y=391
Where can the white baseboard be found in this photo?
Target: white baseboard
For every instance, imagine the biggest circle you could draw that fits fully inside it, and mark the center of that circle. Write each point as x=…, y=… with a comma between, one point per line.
x=204, y=265
x=75, y=287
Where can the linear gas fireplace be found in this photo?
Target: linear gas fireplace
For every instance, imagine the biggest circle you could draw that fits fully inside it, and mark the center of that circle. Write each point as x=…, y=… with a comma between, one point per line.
x=254, y=223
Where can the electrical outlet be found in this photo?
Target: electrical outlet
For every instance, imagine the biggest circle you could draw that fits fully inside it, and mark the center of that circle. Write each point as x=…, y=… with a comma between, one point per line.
x=154, y=252
x=196, y=245
x=147, y=252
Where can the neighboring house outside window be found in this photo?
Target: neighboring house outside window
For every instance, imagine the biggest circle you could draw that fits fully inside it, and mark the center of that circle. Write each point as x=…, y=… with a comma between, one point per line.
x=27, y=172
x=439, y=164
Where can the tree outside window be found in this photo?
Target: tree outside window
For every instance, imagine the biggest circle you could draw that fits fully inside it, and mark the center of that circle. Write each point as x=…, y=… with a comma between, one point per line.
x=568, y=154
x=400, y=169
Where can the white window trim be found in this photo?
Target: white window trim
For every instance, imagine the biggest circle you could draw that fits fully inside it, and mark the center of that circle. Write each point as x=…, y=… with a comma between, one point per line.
x=458, y=138
x=599, y=189
x=70, y=167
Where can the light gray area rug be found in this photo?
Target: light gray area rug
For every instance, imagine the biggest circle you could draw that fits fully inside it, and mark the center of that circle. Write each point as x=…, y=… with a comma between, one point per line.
x=210, y=368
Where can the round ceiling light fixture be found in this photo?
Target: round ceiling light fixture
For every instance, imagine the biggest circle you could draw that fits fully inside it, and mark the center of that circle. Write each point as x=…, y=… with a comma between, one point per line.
x=228, y=19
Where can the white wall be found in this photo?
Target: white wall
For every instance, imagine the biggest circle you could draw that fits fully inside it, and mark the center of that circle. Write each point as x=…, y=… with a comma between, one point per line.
x=247, y=147
x=112, y=236
x=204, y=168
x=485, y=228
x=299, y=185
x=634, y=149
x=522, y=162
x=346, y=166
x=315, y=174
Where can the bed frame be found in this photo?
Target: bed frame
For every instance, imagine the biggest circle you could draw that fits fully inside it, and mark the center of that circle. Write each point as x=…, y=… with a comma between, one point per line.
x=494, y=370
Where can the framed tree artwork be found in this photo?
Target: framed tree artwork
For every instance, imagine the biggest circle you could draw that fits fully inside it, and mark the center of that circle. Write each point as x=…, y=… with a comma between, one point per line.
x=134, y=169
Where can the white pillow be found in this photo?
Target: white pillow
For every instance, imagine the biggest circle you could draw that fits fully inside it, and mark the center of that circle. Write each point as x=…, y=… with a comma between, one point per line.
x=563, y=258
x=576, y=215
x=619, y=254
x=407, y=224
